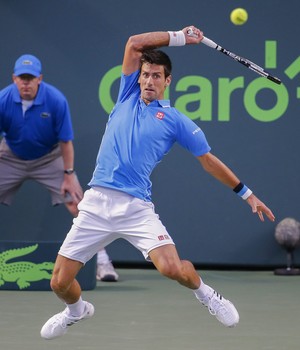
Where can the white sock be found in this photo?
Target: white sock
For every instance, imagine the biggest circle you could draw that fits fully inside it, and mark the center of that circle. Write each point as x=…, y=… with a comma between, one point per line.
x=203, y=291
x=102, y=257
x=76, y=309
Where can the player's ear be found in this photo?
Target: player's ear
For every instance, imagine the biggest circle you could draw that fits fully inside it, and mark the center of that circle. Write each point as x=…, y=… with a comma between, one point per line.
x=168, y=80
x=14, y=78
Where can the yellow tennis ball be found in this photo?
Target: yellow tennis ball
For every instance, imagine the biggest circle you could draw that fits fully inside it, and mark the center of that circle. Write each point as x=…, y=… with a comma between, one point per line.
x=239, y=16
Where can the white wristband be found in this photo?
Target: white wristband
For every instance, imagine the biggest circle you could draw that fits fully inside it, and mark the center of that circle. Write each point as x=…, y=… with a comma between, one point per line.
x=247, y=194
x=176, y=38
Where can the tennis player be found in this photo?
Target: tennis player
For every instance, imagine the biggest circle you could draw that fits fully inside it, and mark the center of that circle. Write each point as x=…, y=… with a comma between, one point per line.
x=141, y=129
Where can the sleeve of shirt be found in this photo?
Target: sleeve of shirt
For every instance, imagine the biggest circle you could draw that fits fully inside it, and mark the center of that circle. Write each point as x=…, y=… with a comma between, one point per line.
x=63, y=125
x=190, y=136
x=128, y=85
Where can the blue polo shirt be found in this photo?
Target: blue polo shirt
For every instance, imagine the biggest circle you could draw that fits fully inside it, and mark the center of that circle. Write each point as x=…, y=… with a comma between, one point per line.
x=44, y=124
x=136, y=138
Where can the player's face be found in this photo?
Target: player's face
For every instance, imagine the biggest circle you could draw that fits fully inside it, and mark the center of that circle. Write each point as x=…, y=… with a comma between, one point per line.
x=27, y=85
x=153, y=82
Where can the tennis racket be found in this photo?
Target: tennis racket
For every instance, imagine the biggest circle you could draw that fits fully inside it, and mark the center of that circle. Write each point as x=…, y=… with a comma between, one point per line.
x=244, y=61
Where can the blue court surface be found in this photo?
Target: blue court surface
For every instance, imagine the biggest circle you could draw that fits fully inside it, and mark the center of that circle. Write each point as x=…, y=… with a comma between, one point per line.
x=145, y=311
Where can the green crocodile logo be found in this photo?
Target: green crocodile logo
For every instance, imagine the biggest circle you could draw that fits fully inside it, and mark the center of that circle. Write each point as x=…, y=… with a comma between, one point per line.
x=23, y=272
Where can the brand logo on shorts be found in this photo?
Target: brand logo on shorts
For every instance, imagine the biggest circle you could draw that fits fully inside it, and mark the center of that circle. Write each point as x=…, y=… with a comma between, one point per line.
x=160, y=115
x=163, y=237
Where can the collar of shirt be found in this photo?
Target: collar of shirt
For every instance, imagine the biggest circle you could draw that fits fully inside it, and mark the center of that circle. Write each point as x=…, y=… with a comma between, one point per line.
x=156, y=103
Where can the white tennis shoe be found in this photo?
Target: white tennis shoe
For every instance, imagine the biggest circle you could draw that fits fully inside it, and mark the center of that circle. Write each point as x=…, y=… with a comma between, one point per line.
x=106, y=273
x=58, y=324
x=221, y=308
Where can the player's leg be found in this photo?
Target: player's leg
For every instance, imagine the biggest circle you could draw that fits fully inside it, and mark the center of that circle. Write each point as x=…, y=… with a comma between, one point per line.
x=89, y=233
x=168, y=263
x=63, y=281
x=145, y=231
x=66, y=287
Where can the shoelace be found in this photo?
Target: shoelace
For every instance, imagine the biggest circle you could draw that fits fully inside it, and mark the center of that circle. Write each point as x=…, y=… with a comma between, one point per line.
x=216, y=304
x=63, y=320
x=60, y=320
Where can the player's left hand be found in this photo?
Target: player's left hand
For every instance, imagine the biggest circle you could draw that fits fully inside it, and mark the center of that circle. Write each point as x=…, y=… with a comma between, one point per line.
x=259, y=208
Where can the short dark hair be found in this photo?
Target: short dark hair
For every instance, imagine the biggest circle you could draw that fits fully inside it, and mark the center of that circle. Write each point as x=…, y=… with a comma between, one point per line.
x=157, y=57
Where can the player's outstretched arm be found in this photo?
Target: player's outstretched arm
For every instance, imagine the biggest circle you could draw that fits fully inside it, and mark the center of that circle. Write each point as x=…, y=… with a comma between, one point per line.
x=221, y=172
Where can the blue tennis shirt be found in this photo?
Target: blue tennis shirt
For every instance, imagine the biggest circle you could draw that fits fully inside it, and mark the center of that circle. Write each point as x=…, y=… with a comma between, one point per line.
x=136, y=138
x=44, y=124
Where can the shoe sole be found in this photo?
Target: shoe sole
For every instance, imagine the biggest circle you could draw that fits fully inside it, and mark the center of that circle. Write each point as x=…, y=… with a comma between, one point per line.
x=108, y=278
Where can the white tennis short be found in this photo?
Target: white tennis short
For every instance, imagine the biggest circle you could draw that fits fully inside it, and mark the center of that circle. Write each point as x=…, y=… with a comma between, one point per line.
x=106, y=215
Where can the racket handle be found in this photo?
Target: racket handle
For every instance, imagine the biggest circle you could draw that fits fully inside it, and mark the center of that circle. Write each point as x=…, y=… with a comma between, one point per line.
x=209, y=43
x=205, y=40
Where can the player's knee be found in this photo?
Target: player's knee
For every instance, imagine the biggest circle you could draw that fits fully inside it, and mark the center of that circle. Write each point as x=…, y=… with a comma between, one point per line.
x=59, y=286
x=171, y=270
